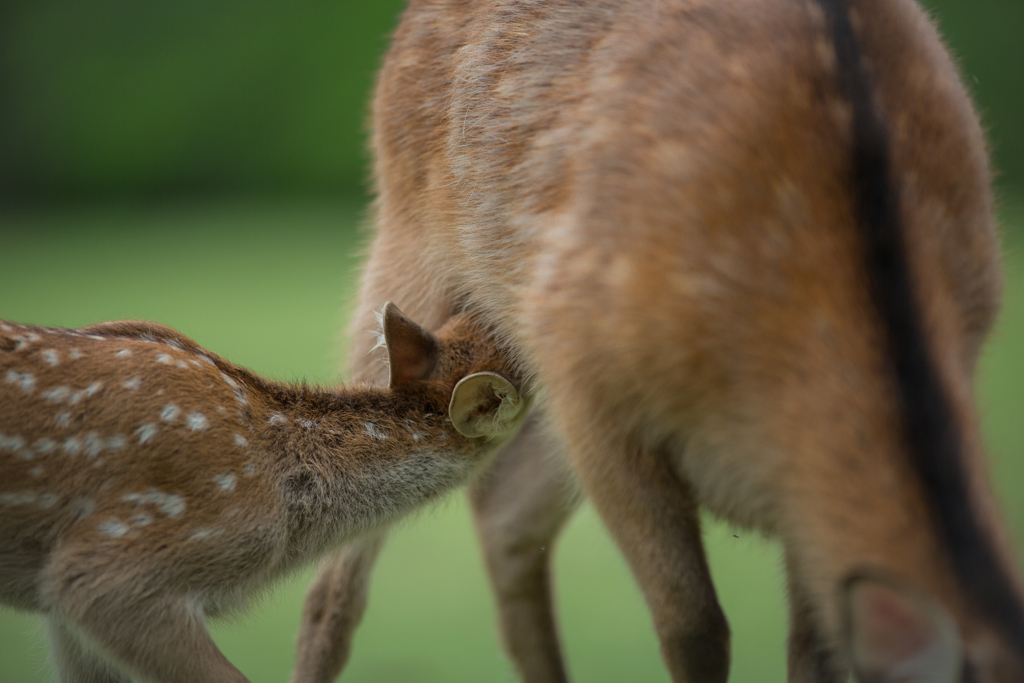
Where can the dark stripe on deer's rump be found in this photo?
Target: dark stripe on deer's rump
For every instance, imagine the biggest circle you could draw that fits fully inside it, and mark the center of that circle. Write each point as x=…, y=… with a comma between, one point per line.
x=932, y=432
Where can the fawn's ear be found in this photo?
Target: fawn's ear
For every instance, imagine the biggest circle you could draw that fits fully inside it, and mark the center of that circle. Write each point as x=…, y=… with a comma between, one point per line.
x=484, y=404
x=896, y=634
x=412, y=351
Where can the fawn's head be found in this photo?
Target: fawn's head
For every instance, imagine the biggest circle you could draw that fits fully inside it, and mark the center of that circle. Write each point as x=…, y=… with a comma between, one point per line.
x=461, y=358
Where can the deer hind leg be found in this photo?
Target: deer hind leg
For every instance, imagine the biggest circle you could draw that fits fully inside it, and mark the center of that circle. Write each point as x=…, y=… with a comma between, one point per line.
x=652, y=514
x=334, y=607
x=520, y=504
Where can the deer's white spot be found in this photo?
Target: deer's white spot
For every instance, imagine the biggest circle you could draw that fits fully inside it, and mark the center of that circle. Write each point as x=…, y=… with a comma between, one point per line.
x=249, y=470
x=173, y=343
x=74, y=354
x=142, y=519
x=169, y=413
x=92, y=444
x=197, y=421
x=117, y=442
x=63, y=420
x=123, y=353
x=164, y=358
x=47, y=500
x=226, y=482
x=222, y=410
x=230, y=382
x=308, y=424
x=206, y=359
x=241, y=441
x=375, y=433
x=17, y=498
x=11, y=443
x=277, y=419
x=6, y=328
x=93, y=389
x=56, y=395
x=240, y=396
x=203, y=534
x=51, y=357
x=230, y=514
x=195, y=363
x=25, y=380
x=170, y=504
x=96, y=337
x=132, y=384
x=72, y=445
x=113, y=527
x=146, y=432
x=37, y=471
x=45, y=446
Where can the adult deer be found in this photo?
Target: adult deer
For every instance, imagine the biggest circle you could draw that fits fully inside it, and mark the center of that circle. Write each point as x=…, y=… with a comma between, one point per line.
x=745, y=248
x=149, y=485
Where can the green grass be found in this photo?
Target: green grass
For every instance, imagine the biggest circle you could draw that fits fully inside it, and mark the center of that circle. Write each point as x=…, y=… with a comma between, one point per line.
x=267, y=286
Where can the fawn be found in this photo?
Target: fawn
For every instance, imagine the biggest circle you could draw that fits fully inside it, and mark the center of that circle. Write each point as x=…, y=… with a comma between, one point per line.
x=149, y=484
x=744, y=251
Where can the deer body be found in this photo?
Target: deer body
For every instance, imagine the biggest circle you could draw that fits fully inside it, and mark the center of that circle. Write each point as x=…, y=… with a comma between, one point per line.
x=746, y=251
x=148, y=484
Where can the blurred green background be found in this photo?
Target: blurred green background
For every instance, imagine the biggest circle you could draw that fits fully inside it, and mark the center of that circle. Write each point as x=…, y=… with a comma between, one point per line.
x=201, y=164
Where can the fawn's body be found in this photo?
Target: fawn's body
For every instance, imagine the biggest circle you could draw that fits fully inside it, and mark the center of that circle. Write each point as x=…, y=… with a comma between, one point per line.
x=746, y=248
x=148, y=484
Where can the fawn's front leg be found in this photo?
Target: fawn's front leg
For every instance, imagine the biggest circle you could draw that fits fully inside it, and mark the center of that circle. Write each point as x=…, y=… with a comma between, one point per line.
x=520, y=504
x=334, y=607
x=105, y=610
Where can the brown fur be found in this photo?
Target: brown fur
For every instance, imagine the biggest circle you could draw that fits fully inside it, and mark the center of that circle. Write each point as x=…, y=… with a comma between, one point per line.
x=650, y=203
x=148, y=484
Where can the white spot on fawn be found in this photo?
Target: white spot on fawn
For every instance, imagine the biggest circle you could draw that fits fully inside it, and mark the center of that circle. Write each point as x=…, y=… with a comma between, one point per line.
x=92, y=444
x=375, y=434
x=169, y=413
x=170, y=504
x=45, y=446
x=72, y=445
x=63, y=420
x=51, y=357
x=113, y=527
x=123, y=353
x=11, y=443
x=74, y=354
x=241, y=441
x=222, y=410
x=142, y=519
x=277, y=419
x=19, y=498
x=203, y=534
x=25, y=380
x=56, y=395
x=230, y=382
x=197, y=421
x=308, y=424
x=249, y=470
x=48, y=500
x=37, y=471
x=164, y=358
x=117, y=442
x=146, y=432
x=226, y=482
x=132, y=384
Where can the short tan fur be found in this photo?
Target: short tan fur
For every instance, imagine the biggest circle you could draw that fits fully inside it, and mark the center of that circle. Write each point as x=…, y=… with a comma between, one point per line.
x=746, y=250
x=149, y=485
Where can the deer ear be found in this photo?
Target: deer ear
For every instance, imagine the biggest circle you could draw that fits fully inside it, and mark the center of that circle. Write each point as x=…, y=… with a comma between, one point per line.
x=896, y=634
x=412, y=351
x=485, y=404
